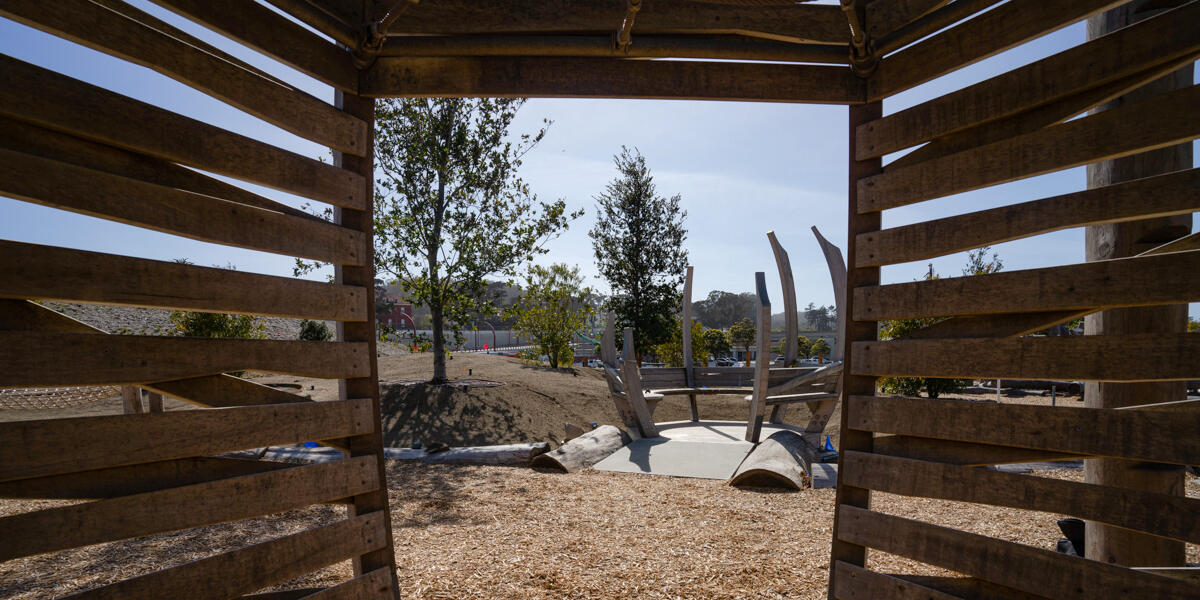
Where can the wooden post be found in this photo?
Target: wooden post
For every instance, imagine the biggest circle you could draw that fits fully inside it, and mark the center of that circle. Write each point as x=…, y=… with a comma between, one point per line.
x=762, y=364
x=364, y=331
x=131, y=397
x=853, y=439
x=685, y=323
x=154, y=401
x=633, y=387
x=1116, y=240
x=791, y=330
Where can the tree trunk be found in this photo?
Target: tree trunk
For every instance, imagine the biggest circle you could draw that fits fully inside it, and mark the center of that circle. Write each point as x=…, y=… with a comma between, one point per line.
x=1116, y=240
x=437, y=299
x=439, y=343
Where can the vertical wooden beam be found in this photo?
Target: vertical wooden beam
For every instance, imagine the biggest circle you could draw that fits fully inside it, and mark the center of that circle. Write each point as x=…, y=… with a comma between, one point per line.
x=685, y=323
x=1116, y=240
x=131, y=397
x=791, y=329
x=154, y=401
x=851, y=439
x=762, y=363
x=633, y=387
x=364, y=331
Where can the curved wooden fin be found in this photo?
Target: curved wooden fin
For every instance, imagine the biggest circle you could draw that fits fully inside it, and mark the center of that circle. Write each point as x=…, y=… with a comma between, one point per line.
x=837, y=272
x=791, y=318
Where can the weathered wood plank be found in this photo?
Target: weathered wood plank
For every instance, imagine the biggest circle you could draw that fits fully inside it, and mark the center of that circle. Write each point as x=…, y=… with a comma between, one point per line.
x=272, y=34
x=1165, y=357
x=792, y=23
x=994, y=31
x=1164, y=38
x=172, y=210
x=222, y=391
x=1158, y=436
x=967, y=454
x=1136, y=281
x=634, y=394
x=23, y=315
x=376, y=584
x=39, y=448
x=254, y=567
x=685, y=321
x=52, y=273
x=995, y=326
x=1158, y=196
x=557, y=77
x=123, y=31
x=856, y=583
x=931, y=23
x=1165, y=515
x=135, y=479
x=47, y=143
x=969, y=587
x=65, y=359
x=208, y=503
x=1024, y=568
x=762, y=365
x=886, y=16
x=320, y=20
x=1158, y=122
x=124, y=122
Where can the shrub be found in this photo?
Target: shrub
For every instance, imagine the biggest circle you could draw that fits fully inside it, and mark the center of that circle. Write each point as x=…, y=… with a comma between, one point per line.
x=315, y=331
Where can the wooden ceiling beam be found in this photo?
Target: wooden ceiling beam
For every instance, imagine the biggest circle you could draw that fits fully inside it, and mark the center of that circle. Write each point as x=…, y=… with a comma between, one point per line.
x=714, y=47
x=821, y=24
x=546, y=77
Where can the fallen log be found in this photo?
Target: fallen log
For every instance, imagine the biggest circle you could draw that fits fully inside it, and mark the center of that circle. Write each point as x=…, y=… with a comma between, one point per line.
x=1064, y=387
x=782, y=461
x=584, y=451
x=508, y=455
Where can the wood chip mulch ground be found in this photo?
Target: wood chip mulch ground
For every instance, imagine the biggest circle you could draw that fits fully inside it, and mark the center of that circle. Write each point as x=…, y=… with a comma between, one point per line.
x=495, y=532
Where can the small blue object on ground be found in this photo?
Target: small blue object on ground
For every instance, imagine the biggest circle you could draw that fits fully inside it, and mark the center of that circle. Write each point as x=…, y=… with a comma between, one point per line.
x=828, y=444
x=311, y=445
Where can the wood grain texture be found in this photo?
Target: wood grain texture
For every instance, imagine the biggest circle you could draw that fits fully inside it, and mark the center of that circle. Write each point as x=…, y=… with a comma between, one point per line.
x=1164, y=515
x=208, y=503
x=857, y=583
x=685, y=320
x=135, y=479
x=307, y=12
x=171, y=210
x=376, y=584
x=885, y=16
x=31, y=139
x=1137, y=281
x=40, y=448
x=245, y=570
x=967, y=454
x=222, y=391
x=125, y=32
x=127, y=123
x=1024, y=568
x=762, y=364
x=1154, y=123
x=1158, y=196
x=1165, y=38
x=791, y=23
x=23, y=315
x=272, y=34
x=1158, y=436
x=51, y=273
x=1161, y=357
x=995, y=326
x=634, y=394
x=994, y=31
x=556, y=77
x=66, y=359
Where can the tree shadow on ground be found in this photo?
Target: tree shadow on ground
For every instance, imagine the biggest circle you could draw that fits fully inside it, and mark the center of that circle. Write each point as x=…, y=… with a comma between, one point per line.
x=424, y=494
x=448, y=414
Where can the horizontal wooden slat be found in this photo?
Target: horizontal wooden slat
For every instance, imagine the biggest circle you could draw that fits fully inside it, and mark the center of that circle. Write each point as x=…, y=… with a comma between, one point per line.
x=1127, y=358
x=123, y=31
x=1165, y=515
x=1157, y=436
x=272, y=34
x=1033, y=570
x=969, y=587
x=124, y=122
x=1154, y=123
x=50, y=447
x=551, y=77
x=1136, y=281
x=792, y=23
x=173, y=210
x=934, y=21
x=52, y=273
x=996, y=30
x=851, y=582
x=886, y=16
x=994, y=326
x=67, y=359
x=23, y=315
x=31, y=139
x=1164, y=38
x=305, y=12
x=222, y=391
x=220, y=501
x=135, y=479
x=1158, y=196
x=254, y=567
x=376, y=584
x=967, y=454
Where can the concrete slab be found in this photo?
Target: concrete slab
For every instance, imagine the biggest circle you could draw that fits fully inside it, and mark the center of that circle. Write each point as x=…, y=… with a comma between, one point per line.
x=677, y=458
x=729, y=432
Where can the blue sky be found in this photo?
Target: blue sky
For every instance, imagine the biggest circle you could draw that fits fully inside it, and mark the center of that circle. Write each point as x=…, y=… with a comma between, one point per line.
x=741, y=168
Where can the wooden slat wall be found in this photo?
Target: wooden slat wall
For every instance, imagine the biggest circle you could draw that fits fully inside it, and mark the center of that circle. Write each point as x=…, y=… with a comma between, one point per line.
x=1008, y=127
x=73, y=146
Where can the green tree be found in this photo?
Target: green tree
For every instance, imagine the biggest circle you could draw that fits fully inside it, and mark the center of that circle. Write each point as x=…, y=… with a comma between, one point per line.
x=638, y=242
x=671, y=351
x=1193, y=325
x=741, y=335
x=716, y=343
x=819, y=347
x=979, y=264
x=722, y=309
x=315, y=331
x=215, y=325
x=802, y=346
x=553, y=308
x=450, y=209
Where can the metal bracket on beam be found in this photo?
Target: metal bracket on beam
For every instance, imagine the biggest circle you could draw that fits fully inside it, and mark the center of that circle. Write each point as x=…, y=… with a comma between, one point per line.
x=863, y=58
x=624, y=36
x=374, y=32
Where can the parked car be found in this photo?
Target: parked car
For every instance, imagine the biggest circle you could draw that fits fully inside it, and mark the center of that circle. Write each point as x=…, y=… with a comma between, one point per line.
x=725, y=362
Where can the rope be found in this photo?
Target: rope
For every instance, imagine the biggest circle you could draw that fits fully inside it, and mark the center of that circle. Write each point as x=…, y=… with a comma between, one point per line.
x=52, y=398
